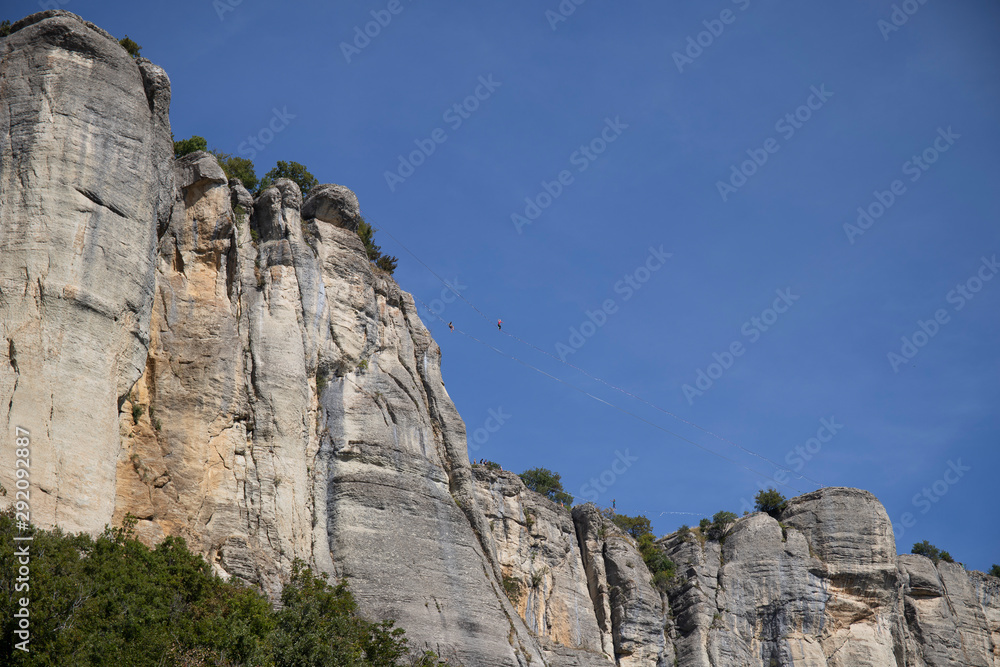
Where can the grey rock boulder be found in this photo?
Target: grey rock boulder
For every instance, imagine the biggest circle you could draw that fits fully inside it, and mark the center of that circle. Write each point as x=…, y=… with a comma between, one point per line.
x=196, y=167
x=334, y=204
x=274, y=209
x=240, y=197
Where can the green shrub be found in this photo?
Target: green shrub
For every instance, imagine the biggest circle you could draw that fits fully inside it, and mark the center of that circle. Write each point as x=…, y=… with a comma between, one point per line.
x=994, y=571
x=492, y=465
x=662, y=580
x=191, y=145
x=110, y=600
x=663, y=569
x=237, y=168
x=704, y=525
x=4, y=28
x=130, y=46
x=770, y=501
x=293, y=171
x=512, y=587
x=547, y=483
x=925, y=548
x=635, y=526
x=363, y=365
x=639, y=528
x=719, y=527
x=367, y=235
x=137, y=412
x=387, y=263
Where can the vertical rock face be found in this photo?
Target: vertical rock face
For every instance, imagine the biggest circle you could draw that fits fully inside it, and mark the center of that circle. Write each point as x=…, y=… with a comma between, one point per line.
x=84, y=169
x=542, y=566
x=818, y=589
x=629, y=610
x=952, y=617
x=235, y=371
x=292, y=407
x=825, y=587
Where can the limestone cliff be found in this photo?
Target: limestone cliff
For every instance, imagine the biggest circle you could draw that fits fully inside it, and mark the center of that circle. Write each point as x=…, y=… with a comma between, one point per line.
x=234, y=370
x=86, y=174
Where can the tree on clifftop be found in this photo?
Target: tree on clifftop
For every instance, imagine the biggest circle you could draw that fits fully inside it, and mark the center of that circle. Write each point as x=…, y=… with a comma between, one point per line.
x=185, y=146
x=635, y=526
x=237, y=167
x=925, y=548
x=367, y=234
x=293, y=171
x=130, y=46
x=547, y=483
x=770, y=501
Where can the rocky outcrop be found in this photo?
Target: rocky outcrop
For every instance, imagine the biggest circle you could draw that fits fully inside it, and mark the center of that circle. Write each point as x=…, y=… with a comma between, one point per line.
x=629, y=610
x=234, y=370
x=542, y=567
x=334, y=204
x=951, y=614
x=822, y=585
x=85, y=180
x=292, y=407
x=818, y=588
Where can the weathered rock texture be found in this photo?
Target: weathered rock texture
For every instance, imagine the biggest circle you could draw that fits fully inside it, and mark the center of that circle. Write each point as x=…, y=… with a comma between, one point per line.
x=292, y=407
x=824, y=587
x=85, y=179
x=543, y=569
x=234, y=370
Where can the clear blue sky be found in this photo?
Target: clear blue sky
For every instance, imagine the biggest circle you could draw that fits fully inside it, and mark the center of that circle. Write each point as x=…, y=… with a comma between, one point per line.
x=886, y=95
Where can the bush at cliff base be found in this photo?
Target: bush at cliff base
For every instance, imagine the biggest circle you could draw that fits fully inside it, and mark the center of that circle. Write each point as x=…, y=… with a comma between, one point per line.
x=113, y=601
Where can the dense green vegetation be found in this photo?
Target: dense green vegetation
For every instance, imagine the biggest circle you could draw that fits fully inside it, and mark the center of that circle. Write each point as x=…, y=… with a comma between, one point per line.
x=720, y=526
x=112, y=601
x=133, y=49
x=640, y=529
x=635, y=526
x=237, y=168
x=185, y=146
x=292, y=171
x=994, y=571
x=4, y=28
x=547, y=483
x=770, y=501
x=385, y=262
x=925, y=548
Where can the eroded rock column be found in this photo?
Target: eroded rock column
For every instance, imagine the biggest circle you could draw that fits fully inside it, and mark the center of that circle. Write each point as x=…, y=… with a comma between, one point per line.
x=85, y=180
